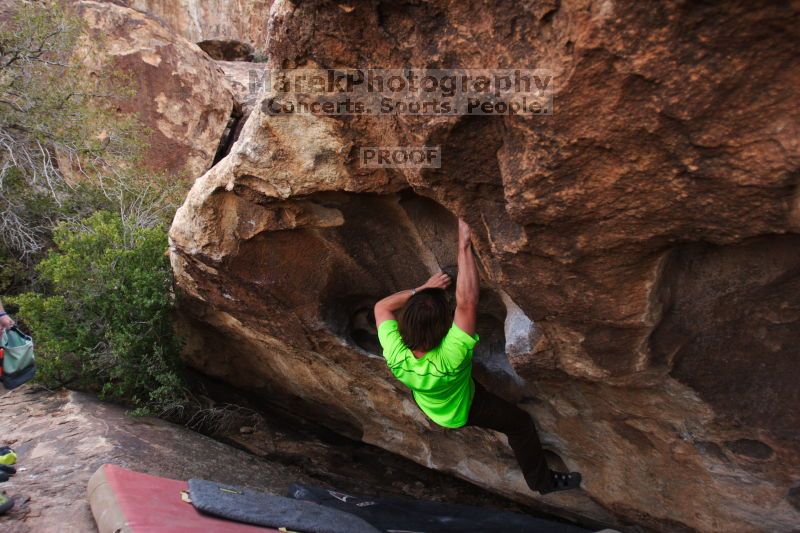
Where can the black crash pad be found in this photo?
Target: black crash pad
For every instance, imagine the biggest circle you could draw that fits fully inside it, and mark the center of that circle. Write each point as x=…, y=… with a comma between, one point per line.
x=269, y=510
x=419, y=516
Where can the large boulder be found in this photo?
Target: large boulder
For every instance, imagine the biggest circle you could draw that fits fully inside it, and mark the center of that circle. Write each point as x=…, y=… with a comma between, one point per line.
x=179, y=94
x=639, y=248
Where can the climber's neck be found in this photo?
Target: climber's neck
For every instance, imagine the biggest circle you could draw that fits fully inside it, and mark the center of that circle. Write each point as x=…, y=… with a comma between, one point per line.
x=419, y=354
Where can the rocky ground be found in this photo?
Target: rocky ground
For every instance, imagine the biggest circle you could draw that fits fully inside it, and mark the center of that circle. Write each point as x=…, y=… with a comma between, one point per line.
x=62, y=438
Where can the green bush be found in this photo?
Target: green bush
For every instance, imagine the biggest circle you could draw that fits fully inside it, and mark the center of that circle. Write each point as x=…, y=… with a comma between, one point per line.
x=13, y=273
x=99, y=304
x=104, y=320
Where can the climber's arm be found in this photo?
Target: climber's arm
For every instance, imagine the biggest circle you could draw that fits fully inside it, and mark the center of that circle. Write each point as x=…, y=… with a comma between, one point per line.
x=467, y=283
x=385, y=309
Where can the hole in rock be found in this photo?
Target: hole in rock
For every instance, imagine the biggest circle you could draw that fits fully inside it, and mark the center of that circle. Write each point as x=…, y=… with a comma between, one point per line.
x=793, y=496
x=750, y=448
x=635, y=437
x=230, y=134
x=227, y=50
x=363, y=330
x=711, y=449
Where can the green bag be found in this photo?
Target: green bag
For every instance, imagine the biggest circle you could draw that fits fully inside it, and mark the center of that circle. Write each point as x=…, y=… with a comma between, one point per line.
x=18, y=362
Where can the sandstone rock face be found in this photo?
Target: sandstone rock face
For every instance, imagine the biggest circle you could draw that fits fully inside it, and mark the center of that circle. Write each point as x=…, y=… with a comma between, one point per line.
x=641, y=262
x=242, y=24
x=179, y=94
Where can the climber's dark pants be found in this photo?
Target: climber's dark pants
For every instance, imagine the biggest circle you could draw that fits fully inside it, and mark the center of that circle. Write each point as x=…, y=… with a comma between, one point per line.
x=489, y=411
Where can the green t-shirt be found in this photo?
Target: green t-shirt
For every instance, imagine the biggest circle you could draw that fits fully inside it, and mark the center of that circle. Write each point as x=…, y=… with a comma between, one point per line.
x=441, y=380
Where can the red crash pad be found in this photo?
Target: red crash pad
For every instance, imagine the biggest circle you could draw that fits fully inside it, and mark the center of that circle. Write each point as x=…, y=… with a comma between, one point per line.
x=129, y=502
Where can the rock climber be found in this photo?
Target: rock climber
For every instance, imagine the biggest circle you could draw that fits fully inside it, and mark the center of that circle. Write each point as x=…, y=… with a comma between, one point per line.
x=430, y=351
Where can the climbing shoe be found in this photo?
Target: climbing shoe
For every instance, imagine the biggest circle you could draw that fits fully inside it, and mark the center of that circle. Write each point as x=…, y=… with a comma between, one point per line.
x=4, y=477
x=7, y=456
x=6, y=503
x=563, y=481
x=10, y=470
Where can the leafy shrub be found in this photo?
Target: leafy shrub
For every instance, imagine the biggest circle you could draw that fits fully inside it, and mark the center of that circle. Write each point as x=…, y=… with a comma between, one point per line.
x=99, y=304
x=63, y=147
x=104, y=321
x=13, y=273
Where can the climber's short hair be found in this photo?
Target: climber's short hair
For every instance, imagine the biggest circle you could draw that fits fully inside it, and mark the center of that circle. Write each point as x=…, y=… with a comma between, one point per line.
x=425, y=320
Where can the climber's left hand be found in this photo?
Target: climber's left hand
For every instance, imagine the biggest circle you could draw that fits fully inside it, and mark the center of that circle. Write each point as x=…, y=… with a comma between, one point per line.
x=438, y=281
